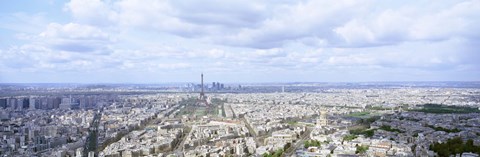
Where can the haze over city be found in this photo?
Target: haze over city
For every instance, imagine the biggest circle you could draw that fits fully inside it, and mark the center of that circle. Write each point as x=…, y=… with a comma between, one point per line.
x=130, y=41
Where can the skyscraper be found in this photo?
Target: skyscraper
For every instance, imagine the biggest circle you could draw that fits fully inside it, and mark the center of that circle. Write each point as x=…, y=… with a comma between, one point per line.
x=31, y=104
x=3, y=103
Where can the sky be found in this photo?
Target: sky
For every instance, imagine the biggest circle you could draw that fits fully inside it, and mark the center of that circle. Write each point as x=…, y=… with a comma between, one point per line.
x=161, y=41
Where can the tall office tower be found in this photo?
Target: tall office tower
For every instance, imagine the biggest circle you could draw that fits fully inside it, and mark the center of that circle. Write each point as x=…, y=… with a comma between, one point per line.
x=50, y=101
x=12, y=103
x=202, y=94
x=66, y=103
x=19, y=105
x=214, y=85
x=31, y=103
x=3, y=103
x=38, y=103
x=56, y=102
x=26, y=103
x=82, y=102
x=42, y=103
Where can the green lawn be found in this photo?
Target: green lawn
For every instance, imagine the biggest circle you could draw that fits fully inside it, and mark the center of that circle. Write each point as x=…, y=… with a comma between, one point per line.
x=439, y=109
x=200, y=111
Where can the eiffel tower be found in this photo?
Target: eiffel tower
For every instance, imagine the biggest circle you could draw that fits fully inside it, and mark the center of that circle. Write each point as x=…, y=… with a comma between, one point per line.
x=202, y=100
x=202, y=94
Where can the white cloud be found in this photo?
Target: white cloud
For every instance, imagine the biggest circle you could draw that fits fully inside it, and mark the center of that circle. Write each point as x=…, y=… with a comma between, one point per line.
x=269, y=25
x=302, y=38
x=174, y=66
x=76, y=38
x=150, y=14
x=354, y=33
x=458, y=20
x=74, y=31
x=412, y=23
x=94, y=12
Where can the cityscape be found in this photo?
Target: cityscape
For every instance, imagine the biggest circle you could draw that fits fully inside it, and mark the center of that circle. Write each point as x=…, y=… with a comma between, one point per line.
x=210, y=78
x=297, y=119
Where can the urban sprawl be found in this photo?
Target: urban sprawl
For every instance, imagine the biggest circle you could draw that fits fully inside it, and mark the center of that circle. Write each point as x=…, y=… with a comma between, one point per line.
x=240, y=120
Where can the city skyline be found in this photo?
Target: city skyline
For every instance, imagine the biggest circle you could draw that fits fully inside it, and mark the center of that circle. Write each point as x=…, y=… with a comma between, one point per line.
x=126, y=41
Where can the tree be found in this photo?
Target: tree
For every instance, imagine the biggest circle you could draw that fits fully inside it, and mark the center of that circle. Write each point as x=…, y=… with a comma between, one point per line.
x=349, y=137
x=266, y=154
x=278, y=153
x=361, y=149
x=312, y=143
x=306, y=144
x=454, y=146
x=287, y=146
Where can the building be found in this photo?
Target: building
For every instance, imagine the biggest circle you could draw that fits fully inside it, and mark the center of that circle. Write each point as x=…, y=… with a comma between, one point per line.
x=31, y=103
x=202, y=94
x=3, y=103
x=322, y=121
x=66, y=103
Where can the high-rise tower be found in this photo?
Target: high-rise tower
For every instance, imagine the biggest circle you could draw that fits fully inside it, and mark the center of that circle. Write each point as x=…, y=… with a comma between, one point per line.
x=202, y=94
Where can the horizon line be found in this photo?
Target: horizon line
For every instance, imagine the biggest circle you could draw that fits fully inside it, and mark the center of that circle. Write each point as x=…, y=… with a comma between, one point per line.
x=277, y=82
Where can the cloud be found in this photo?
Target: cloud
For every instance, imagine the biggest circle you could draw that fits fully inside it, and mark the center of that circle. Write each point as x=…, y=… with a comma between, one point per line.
x=76, y=38
x=290, y=23
x=411, y=23
x=93, y=12
x=269, y=24
x=37, y=58
x=174, y=66
x=74, y=31
x=234, y=13
x=306, y=38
